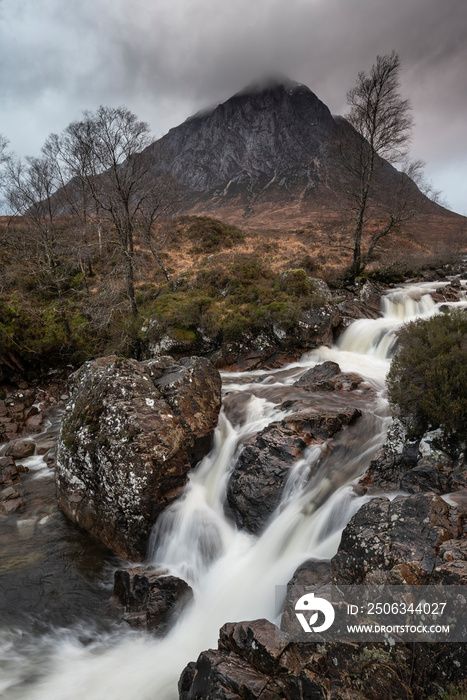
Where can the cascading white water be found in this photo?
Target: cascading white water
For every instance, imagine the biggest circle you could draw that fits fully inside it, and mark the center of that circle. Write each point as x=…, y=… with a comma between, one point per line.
x=233, y=574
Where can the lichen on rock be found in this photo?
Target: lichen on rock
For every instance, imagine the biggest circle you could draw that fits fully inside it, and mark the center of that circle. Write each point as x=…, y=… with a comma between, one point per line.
x=130, y=434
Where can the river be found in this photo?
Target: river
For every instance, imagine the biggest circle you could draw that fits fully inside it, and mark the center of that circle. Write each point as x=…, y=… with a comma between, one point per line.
x=56, y=640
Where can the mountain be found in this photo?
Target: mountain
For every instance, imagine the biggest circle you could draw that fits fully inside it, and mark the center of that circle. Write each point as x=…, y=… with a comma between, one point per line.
x=265, y=157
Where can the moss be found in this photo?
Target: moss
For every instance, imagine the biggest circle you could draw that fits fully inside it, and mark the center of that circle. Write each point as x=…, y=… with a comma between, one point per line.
x=183, y=335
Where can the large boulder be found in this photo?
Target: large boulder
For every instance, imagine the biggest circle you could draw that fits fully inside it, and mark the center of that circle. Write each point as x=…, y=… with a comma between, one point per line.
x=129, y=436
x=266, y=460
x=395, y=541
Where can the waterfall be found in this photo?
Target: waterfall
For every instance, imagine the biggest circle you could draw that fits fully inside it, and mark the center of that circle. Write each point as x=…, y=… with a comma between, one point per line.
x=233, y=573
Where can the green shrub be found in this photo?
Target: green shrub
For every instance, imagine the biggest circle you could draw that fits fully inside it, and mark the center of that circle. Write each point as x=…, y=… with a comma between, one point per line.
x=427, y=382
x=296, y=282
x=209, y=234
x=235, y=326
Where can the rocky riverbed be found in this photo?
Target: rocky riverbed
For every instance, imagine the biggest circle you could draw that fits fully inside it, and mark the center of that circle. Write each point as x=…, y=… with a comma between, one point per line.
x=302, y=484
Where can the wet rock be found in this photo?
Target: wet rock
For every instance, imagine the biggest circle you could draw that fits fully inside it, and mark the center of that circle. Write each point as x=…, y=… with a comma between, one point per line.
x=429, y=463
x=35, y=422
x=369, y=294
x=128, y=439
x=20, y=449
x=316, y=327
x=265, y=462
x=386, y=534
x=255, y=660
x=45, y=446
x=453, y=573
x=11, y=501
x=8, y=472
x=364, y=303
x=328, y=377
x=310, y=573
x=448, y=293
x=451, y=569
x=148, y=598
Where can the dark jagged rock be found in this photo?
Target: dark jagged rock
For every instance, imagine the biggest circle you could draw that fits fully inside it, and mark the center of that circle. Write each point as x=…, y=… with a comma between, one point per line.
x=385, y=536
x=129, y=437
x=255, y=660
x=328, y=377
x=420, y=465
x=310, y=573
x=18, y=416
x=11, y=500
x=364, y=302
x=8, y=472
x=265, y=461
x=147, y=598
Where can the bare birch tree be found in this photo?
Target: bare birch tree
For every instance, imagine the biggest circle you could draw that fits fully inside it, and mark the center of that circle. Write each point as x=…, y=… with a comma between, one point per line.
x=106, y=152
x=382, y=126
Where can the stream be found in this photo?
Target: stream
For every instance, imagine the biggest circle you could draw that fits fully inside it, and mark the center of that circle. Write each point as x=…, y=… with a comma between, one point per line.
x=57, y=641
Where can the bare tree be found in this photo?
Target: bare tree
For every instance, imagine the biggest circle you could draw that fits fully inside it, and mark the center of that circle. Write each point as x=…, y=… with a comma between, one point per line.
x=37, y=231
x=105, y=152
x=382, y=126
x=4, y=156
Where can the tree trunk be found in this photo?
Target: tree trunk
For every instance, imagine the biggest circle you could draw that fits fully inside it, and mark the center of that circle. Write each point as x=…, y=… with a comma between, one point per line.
x=130, y=282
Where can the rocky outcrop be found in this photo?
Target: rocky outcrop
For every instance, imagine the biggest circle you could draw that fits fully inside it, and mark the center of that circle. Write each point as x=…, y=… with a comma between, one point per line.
x=129, y=437
x=147, y=598
x=328, y=377
x=416, y=539
x=431, y=463
x=265, y=462
x=255, y=660
x=412, y=540
x=315, y=327
x=364, y=302
x=395, y=541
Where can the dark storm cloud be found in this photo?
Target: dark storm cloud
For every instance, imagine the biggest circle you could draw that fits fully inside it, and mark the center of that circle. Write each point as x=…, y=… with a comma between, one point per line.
x=166, y=59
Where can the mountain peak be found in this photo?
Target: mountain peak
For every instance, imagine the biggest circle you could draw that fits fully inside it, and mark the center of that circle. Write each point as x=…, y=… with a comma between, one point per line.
x=271, y=82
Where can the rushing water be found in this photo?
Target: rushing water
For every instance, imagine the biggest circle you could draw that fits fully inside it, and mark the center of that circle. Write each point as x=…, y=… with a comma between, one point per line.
x=233, y=574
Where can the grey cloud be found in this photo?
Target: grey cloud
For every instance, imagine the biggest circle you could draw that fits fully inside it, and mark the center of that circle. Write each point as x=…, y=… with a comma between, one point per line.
x=166, y=59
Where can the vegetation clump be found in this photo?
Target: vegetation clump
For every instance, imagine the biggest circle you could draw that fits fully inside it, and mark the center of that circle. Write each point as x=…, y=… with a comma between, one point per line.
x=226, y=302
x=427, y=381
x=209, y=235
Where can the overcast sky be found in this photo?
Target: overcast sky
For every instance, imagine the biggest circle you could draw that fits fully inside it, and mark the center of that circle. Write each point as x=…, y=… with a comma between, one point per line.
x=166, y=59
